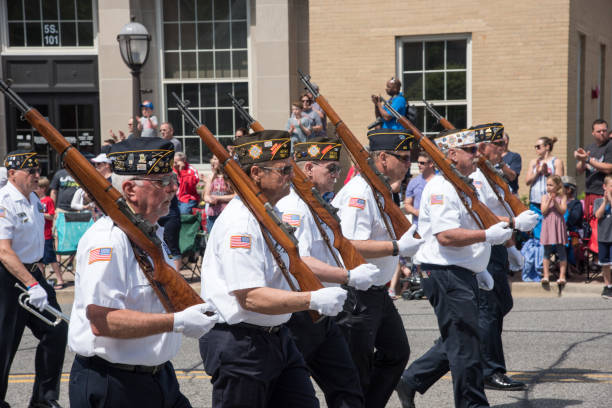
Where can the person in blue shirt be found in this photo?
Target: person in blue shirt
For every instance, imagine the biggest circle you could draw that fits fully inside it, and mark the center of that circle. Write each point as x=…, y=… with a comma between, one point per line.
x=397, y=101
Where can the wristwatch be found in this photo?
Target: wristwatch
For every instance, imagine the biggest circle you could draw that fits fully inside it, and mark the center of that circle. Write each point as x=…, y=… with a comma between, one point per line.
x=395, y=248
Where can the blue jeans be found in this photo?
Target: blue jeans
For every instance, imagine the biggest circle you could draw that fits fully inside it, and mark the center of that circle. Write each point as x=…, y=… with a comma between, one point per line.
x=185, y=208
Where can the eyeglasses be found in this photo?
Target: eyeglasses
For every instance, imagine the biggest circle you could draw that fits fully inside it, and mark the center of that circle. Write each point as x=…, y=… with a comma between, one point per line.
x=539, y=146
x=163, y=182
x=32, y=170
x=332, y=168
x=283, y=171
x=402, y=158
x=469, y=149
x=499, y=143
x=306, y=101
x=423, y=163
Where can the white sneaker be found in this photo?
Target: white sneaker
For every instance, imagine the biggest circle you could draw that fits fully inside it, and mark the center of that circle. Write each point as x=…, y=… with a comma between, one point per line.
x=516, y=259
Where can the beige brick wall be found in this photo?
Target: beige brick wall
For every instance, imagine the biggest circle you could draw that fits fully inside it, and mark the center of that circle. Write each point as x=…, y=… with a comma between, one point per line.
x=520, y=59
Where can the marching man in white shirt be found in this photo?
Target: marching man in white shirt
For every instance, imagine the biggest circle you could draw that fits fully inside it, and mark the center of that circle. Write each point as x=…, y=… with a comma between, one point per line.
x=323, y=344
x=371, y=323
x=119, y=330
x=250, y=354
x=454, y=257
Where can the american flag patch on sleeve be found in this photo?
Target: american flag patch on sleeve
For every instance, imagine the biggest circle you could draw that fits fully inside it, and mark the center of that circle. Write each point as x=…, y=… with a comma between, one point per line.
x=292, y=219
x=437, y=199
x=478, y=184
x=240, y=241
x=2, y=212
x=100, y=254
x=357, y=203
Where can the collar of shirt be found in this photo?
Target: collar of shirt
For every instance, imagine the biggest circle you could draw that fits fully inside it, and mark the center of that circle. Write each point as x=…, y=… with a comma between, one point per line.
x=15, y=194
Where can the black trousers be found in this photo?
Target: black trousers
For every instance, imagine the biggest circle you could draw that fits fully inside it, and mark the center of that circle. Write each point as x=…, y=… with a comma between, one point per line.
x=453, y=293
x=94, y=384
x=252, y=368
x=51, y=348
x=377, y=340
x=494, y=305
x=328, y=358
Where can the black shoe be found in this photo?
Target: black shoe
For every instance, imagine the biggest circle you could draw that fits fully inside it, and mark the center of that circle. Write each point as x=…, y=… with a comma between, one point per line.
x=501, y=382
x=45, y=404
x=405, y=393
x=606, y=293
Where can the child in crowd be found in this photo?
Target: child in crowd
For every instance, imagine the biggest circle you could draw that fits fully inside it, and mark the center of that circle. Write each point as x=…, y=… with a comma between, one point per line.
x=49, y=256
x=554, y=232
x=299, y=125
x=603, y=213
x=148, y=120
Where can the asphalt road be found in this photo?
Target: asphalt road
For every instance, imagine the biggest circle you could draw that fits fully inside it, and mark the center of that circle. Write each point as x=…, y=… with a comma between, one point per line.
x=562, y=347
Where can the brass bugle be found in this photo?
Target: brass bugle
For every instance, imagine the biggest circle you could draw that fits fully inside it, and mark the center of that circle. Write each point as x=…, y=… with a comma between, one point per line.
x=24, y=302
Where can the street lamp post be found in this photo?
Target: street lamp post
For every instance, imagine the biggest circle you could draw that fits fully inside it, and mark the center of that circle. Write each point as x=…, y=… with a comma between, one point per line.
x=134, y=46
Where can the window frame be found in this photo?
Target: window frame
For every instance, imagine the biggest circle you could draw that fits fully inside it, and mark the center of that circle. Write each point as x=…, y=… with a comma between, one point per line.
x=164, y=81
x=6, y=49
x=399, y=71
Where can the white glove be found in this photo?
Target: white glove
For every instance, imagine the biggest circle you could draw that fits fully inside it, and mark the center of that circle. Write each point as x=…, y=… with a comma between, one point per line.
x=498, y=233
x=362, y=276
x=408, y=245
x=38, y=297
x=328, y=301
x=526, y=220
x=192, y=322
x=485, y=280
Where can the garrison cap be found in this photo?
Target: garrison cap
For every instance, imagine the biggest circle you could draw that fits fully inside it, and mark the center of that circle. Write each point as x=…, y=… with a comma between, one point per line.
x=21, y=159
x=390, y=139
x=142, y=155
x=263, y=146
x=489, y=132
x=318, y=148
x=454, y=138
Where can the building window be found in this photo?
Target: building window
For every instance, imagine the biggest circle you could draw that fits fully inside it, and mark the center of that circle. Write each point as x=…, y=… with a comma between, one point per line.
x=50, y=23
x=437, y=70
x=205, y=57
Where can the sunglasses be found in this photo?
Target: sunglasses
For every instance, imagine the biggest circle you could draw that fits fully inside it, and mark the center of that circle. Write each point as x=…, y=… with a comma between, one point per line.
x=539, y=146
x=469, y=149
x=283, y=171
x=402, y=158
x=499, y=143
x=332, y=168
x=306, y=101
x=163, y=182
x=32, y=170
x=423, y=163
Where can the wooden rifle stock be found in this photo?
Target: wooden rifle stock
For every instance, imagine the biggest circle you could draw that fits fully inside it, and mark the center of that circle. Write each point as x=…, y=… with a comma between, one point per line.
x=492, y=176
x=308, y=193
x=258, y=204
x=487, y=218
x=172, y=289
x=362, y=159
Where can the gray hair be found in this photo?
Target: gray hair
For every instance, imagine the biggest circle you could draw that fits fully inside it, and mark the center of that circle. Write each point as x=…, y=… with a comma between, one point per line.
x=180, y=156
x=117, y=181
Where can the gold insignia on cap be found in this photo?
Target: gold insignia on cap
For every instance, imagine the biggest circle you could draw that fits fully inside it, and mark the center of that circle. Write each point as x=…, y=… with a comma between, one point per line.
x=313, y=150
x=255, y=152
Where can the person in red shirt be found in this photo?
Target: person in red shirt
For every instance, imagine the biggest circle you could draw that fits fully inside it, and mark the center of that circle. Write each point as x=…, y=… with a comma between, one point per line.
x=49, y=254
x=188, y=180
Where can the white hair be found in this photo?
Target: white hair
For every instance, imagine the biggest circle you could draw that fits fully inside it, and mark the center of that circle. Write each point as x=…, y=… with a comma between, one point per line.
x=117, y=181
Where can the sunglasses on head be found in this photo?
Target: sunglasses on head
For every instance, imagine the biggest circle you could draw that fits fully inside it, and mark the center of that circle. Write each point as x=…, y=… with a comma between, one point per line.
x=283, y=171
x=402, y=158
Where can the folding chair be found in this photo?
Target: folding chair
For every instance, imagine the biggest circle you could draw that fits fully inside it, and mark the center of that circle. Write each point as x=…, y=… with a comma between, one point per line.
x=70, y=228
x=192, y=242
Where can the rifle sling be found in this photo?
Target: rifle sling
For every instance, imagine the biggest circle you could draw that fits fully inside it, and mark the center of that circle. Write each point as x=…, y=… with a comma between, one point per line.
x=317, y=221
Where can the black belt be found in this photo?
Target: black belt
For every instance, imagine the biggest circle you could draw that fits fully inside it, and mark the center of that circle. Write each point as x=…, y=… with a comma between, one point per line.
x=99, y=361
x=427, y=266
x=266, y=329
x=379, y=287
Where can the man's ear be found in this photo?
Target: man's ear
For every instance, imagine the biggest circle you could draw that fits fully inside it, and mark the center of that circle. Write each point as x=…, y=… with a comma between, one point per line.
x=129, y=190
x=308, y=166
x=452, y=155
x=255, y=172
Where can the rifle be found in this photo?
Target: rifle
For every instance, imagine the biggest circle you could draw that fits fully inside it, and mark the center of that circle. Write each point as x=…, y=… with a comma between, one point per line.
x=321, y=210
x=463, y=185
x=257, y=203
x=170, y=287
x=493, y=176
x=380, y=187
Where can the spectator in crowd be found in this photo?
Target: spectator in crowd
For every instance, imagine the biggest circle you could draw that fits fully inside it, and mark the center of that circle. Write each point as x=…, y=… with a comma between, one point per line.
x=574, y=213
x=544, y=165
x=49, y=256
x=511, y=165
x=317, y=108
x=188, y=179
x=122, y=136
x=554, y=232
x=315, y=119
x=299, y=125
x=148, y=120
x=417, y=184
x=63, y=187
x=397, y=101
x=240, y=132
x=217, y=193
x=596, y=161
x=103, y=165
x=603, y=213
x=166, y=131
x=3, y=176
